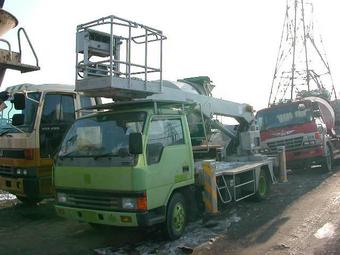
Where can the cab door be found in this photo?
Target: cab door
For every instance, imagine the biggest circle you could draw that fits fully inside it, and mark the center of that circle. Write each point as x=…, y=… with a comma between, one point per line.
x=168, y=157
x=57, y=116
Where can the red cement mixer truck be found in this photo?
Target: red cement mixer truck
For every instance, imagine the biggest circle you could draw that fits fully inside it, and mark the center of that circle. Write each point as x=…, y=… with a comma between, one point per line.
x=309, y=128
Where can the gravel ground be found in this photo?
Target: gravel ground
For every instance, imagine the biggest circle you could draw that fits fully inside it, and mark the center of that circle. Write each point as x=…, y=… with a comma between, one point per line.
x=299, y=217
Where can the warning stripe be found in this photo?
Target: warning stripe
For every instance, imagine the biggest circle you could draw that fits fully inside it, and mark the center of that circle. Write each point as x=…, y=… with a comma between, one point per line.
x=210, y=193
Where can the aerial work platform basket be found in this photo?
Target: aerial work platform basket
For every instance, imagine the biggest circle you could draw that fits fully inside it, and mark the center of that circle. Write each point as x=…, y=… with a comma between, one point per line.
x=105, y=65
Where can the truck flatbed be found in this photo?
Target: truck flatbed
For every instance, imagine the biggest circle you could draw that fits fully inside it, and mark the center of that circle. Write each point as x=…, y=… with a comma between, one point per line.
x=232, y=168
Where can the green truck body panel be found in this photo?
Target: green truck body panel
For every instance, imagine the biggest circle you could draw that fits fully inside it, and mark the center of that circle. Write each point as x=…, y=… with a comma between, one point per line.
x=94, y=178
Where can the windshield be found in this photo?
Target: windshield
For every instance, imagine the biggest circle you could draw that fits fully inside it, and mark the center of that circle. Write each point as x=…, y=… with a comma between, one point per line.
x=284, y=116
x=29, y=112
x=102, y=135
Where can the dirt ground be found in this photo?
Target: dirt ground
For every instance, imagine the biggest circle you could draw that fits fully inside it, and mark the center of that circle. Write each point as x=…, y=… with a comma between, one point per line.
x=299, y=217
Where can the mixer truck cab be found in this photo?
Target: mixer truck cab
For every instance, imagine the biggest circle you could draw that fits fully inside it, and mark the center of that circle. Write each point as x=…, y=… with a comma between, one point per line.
x=305, y=127
x=33, y=122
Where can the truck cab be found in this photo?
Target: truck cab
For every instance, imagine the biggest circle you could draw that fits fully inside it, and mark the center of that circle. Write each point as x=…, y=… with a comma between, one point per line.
x=125, y=172
x=33, y=122
x=305, y=127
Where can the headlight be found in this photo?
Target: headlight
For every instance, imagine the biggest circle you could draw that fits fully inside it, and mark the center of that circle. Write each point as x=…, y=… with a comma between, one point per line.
x=62, y=197
x=264, y=150
x=26, y=172
x=129, y=203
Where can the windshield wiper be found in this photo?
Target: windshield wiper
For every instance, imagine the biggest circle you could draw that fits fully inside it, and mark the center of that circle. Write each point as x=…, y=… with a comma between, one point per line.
x=122, y=153
x=104, y=155
x=5, y=131
x=69, y=155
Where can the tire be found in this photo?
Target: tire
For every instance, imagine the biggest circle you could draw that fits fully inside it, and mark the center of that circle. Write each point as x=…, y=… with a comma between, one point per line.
x=176, y=217
x=263, y=187
x=29, y=201
x=328, y=159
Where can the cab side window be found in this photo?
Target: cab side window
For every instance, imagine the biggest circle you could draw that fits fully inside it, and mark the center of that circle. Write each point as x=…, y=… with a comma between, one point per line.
x=57, y=116
x=67, y=112
x=86, y=101
x=163, y=133
x=51, y=110
x=58, y=108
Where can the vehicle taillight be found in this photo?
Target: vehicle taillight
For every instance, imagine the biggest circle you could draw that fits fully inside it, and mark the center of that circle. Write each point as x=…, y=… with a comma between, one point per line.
x=317, y=136
x=29, y=153
x=142, y=202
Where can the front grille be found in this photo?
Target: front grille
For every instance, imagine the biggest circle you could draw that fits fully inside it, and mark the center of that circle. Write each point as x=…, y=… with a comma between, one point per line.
x=99, y=201
x=96, y=199
x=290, y=144
x=7, y=170
x=19, y=154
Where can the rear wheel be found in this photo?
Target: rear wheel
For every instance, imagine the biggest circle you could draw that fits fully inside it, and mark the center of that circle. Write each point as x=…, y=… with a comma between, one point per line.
x=176, y=217
x=263, y=186
x=328, y=159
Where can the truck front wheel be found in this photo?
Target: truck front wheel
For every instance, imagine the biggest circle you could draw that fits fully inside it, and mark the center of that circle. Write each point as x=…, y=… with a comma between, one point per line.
x=176, y=217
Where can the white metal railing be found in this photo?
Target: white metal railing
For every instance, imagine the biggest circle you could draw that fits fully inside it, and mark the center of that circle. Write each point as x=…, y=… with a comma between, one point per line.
x=100, y=47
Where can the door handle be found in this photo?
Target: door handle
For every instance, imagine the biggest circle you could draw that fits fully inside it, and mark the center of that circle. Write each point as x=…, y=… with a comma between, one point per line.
x=185, y=168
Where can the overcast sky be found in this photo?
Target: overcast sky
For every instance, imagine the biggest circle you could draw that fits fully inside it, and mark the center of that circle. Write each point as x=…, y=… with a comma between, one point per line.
x=235, y=43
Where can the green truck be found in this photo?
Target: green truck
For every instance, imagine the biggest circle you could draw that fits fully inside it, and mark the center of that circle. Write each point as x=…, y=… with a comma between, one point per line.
x=159, y=153
x=135, y=166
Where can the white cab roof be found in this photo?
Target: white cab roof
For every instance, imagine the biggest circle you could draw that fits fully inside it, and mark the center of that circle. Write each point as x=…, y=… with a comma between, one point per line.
x=27, y=87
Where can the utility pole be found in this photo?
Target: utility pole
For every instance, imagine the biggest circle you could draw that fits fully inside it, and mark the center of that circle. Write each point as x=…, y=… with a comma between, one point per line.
x=301, y=65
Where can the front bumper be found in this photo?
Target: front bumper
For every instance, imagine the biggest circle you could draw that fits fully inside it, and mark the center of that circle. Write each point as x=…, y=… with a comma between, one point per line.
x=303, y=157
x=33, y=187
x=12, y=185
x=119, y=219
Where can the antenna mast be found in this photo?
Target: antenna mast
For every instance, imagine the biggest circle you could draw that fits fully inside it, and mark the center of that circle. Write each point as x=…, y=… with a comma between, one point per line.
x=301, y=64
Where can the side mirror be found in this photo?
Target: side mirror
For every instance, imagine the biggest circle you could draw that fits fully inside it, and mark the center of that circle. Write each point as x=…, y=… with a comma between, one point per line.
x=19, y=101
x=135, y=143
x=4, y=95
x=18, y=119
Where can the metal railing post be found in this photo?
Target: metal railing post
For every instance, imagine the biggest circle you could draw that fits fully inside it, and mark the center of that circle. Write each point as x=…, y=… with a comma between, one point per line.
x=282, y=163
x=146, y=59
x=111, y=47
x=129, y=58
x=161, y=65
